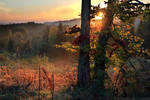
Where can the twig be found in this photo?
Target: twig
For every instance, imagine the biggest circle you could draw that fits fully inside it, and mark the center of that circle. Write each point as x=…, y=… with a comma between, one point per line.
x=53, y=86
x=39, y=83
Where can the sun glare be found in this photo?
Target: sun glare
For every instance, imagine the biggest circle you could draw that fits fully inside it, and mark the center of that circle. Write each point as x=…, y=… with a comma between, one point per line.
x=99, y=16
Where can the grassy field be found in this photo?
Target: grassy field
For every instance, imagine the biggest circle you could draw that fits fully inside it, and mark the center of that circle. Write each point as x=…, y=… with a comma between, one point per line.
x=23, y=78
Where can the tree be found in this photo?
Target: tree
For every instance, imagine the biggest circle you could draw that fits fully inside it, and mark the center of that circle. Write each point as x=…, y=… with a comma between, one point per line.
x=60, y=28
x=124, y=10
x=60, y=35
x=46, y=35
x=83, y=67
x=10, y=43
x=99, y=69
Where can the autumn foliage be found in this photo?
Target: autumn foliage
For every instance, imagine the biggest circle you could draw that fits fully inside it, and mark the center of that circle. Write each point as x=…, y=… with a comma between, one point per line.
x=29, y=79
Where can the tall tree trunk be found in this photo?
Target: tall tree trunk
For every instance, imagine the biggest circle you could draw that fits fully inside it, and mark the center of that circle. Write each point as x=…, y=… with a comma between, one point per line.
x=100, y=59
x=83, y=68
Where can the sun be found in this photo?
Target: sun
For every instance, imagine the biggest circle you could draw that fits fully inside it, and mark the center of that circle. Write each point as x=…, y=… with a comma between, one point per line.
x=99, y=16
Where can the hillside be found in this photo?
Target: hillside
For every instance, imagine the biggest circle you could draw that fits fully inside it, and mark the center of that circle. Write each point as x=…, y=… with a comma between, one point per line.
x=71, y=22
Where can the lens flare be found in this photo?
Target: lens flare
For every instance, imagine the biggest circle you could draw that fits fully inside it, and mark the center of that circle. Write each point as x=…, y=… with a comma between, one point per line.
x=99, y=16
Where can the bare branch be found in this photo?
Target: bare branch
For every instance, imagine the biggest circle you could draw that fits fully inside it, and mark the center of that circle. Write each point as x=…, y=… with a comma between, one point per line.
x=138, y=3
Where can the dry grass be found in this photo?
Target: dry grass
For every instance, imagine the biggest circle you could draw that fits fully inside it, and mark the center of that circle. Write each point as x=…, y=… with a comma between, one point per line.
x=30, y=79
x=20, y=77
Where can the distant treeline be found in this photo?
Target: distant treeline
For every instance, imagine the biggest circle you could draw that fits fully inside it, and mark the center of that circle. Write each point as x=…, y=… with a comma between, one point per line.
x=30, y=38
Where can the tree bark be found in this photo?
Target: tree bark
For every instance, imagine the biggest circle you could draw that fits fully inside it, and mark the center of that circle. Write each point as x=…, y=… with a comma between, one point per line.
x=83, y=68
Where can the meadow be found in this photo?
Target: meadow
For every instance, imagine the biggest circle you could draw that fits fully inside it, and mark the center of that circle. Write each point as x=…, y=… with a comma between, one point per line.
x=40, y=62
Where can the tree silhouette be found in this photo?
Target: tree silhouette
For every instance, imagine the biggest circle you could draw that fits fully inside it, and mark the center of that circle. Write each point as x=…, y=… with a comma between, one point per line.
x=83, y=67
x=99, y=69
x=124, y=10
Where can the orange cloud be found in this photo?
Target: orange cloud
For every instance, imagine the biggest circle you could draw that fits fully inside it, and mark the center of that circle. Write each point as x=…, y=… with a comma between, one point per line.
x=63, y=12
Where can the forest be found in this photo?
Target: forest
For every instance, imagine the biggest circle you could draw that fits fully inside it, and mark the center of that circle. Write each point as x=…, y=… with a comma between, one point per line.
x=103, y=55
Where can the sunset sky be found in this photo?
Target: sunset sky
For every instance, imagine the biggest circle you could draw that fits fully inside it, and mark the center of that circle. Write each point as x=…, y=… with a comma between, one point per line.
x=40, y=10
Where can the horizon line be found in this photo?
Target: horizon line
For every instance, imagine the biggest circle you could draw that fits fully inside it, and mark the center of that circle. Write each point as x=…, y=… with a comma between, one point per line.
x=35, y=21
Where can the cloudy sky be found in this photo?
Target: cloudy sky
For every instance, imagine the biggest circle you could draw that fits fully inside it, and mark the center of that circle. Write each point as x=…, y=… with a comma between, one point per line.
x=40, y=10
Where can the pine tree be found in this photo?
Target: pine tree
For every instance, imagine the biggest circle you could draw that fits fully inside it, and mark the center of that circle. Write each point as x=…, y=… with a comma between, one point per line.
x=125, y=10
x=99, y=69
